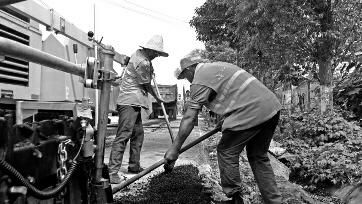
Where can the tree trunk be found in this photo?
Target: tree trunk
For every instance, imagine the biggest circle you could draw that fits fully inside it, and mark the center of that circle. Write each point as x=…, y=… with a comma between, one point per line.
x=326, y=89
x=308, y=96
x=287, y=98
x=324, y=51
x=237, y=57
x=291, y=99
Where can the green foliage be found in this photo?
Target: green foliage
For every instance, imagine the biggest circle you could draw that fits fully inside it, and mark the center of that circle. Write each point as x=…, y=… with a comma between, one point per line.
x=348, y=91
x=214, y=22
x=216, y=52
x=220, y=52
x=321, y=129
x=291, y=75
x=329, y=150
x=268, y=34
x=328, y=165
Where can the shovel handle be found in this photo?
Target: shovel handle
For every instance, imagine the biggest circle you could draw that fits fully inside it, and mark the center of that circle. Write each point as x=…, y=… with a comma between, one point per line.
x=167, y=122
x=164, y=110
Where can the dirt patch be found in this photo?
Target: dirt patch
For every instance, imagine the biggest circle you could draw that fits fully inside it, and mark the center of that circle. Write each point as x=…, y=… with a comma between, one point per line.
x=182, y=185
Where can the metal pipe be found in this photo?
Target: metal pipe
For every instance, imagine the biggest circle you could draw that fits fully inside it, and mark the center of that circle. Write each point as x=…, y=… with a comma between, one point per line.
x=100, y=183
x=103, y=111
x=164, y=110
x=6, y=2
x=18, y=50
x=96, y=115
x=120, y=186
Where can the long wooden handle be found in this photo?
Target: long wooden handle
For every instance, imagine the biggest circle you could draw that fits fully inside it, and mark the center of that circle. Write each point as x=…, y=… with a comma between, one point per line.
x=167, y=122
x=120, y=186
x=164, y=111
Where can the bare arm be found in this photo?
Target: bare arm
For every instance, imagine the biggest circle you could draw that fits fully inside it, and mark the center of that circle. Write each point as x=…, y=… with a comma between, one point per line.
x=148, y=88
x=199, y=96
x=186, y=126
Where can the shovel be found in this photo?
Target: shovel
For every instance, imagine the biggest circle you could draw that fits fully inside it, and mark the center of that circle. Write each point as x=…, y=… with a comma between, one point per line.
x=120, y=186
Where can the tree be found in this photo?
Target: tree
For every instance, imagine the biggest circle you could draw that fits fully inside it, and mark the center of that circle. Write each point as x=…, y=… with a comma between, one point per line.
x=316, y=35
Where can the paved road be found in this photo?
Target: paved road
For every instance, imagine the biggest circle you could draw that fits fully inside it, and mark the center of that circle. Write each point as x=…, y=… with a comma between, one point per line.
x=156, y=142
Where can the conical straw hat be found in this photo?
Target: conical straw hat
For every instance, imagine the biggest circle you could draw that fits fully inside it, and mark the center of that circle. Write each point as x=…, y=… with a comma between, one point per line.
x=156, y=44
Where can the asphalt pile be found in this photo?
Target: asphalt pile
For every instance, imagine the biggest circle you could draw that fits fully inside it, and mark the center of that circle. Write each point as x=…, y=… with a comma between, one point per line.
x=182, y=185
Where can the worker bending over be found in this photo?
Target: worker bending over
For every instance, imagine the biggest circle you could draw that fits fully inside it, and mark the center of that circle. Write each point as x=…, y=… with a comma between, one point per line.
x=133, y=96
x=251, y=113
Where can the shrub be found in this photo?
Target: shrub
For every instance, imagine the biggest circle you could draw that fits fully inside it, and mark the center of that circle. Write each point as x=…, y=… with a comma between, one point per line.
x=329, y=150
x=321, y=129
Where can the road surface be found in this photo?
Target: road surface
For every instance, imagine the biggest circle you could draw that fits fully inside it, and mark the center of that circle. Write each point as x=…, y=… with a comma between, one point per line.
x=156, y=142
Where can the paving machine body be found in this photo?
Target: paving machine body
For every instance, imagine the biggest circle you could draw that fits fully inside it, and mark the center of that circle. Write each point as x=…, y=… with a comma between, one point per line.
x=52, y=122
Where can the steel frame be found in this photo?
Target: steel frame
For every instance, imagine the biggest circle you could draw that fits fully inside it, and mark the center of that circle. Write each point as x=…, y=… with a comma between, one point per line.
x=25, y=109
x=12, y=48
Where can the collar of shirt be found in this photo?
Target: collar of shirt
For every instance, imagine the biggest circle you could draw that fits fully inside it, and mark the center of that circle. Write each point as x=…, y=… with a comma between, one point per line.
x=198, y=66
x=142, y=52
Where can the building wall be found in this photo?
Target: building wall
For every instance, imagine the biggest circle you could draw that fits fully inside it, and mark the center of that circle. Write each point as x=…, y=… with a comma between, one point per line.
x=297, y=97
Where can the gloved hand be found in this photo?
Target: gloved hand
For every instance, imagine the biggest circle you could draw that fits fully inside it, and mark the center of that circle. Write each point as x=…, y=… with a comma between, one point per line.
x=160, y=100
x=116, y=82
x=219, y=124
x=169, y=166
x=170, y=156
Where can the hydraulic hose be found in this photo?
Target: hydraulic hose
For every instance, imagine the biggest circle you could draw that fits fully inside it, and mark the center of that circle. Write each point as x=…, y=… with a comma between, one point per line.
x=32, y=189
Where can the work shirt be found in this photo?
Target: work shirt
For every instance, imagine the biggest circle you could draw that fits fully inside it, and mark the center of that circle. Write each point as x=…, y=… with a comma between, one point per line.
x=233, y=93
x=138, y=71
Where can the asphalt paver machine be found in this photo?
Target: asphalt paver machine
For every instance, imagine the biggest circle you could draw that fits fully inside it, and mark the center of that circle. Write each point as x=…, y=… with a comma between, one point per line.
x=56, y=156
x=63, y=154
x=51, y=159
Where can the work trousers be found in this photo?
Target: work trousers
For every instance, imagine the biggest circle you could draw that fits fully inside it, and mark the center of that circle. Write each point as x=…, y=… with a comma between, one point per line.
x=129, y=128
x=257, y=141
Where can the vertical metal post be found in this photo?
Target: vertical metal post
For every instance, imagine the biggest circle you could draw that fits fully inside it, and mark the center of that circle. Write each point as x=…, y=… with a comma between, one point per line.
x=19, y=113
x=96, y=56
x=96, y=115
x=101, y=184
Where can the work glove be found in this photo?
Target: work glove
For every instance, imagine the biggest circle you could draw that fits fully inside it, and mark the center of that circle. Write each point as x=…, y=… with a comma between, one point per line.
x=116, y=82
x=219, y=124
x=160, y=100
x=170, y=156
x=169, y=166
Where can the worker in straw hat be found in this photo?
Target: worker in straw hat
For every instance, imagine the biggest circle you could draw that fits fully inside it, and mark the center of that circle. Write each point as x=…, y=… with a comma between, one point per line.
x=133, y=96
x=251, y=114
